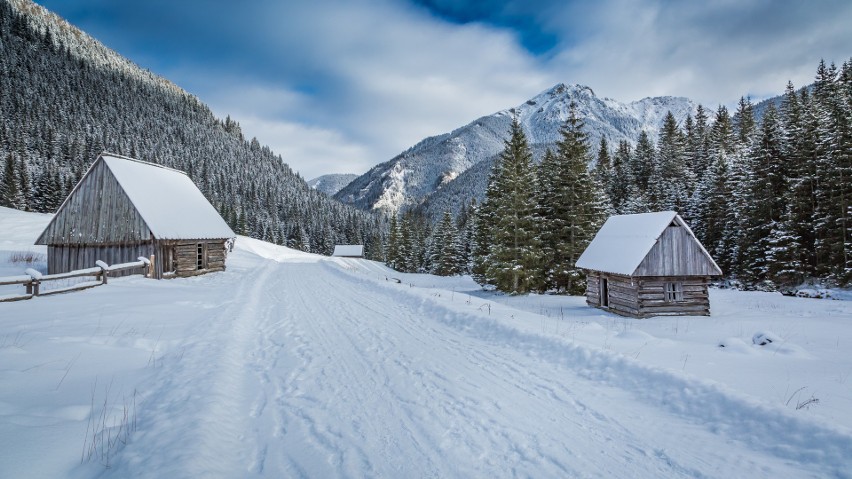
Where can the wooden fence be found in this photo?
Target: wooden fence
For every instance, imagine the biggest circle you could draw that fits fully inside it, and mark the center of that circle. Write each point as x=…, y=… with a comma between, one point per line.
x=33, y=279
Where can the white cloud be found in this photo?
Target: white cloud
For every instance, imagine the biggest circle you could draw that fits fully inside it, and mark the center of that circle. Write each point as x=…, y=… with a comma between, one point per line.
x=339, y=86
x=713, y=52
x=380, y=77
x=318, y=151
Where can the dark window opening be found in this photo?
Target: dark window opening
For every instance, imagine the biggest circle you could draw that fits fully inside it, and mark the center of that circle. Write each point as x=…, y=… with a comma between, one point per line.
x=170, y=260
x=674, y=292
x=200, y=256
x=604, y=290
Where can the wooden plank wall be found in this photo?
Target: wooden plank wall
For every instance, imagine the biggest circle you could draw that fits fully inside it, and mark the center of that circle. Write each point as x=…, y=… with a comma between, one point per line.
x=62, y=259
x=646, y=297
x=676, y=253
x=97, y=212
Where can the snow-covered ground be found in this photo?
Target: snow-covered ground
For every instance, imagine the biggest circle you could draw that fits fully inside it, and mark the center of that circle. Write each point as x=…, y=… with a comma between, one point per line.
x=290, y=364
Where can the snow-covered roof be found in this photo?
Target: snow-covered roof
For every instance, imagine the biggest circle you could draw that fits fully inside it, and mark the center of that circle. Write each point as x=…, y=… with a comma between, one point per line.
x=624, y=241
x=167, y=199
x=350, y=250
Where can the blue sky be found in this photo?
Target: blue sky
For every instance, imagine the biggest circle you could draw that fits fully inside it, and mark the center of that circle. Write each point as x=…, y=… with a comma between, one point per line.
x=338, y=86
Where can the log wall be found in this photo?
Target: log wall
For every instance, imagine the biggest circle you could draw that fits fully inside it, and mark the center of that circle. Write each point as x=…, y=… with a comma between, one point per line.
x=645, y=297
x=696, y=298
x=185, y=257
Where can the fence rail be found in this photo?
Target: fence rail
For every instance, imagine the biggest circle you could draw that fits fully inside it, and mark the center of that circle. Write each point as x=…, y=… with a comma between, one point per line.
x=33, y=279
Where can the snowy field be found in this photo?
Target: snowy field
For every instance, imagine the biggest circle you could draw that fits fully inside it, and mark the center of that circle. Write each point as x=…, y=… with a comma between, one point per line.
x=295, y=365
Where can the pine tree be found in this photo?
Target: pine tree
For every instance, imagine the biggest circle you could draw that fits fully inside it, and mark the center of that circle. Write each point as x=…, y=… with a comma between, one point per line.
x=392, y=256
x=675, y=181
x=710, y=220
x=621, y=182
x=9, y=187
x=512, y=263
x=603, y=165
x=445, y=248
x=768, y=187
x=698, y=144
x=482, y=239
x=642, y=169
x=569, y=205
x=797, y=146
x=830, y=215
x=744, y=123
x=722, y=138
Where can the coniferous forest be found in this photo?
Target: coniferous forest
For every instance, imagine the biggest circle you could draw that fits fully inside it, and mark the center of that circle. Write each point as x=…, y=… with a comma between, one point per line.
x=769, y=199
x=766, y=188
x=59, y=110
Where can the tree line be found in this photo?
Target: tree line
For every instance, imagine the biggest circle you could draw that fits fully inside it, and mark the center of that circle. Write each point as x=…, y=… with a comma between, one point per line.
x=769, y=198
x=59, y=111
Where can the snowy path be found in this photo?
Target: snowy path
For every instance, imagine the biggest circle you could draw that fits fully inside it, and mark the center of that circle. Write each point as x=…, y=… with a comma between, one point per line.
x=315, y=372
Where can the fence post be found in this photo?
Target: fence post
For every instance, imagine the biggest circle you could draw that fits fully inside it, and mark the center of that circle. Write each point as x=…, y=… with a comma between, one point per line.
x=151, y=273
x=104, y=267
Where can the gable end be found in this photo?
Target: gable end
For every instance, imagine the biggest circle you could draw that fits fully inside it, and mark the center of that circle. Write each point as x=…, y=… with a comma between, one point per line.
x=677, y=253
x=97, y=211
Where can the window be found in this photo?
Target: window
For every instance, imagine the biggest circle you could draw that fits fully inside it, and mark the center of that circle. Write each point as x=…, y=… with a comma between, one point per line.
x=200, y=256
x=674, y=292
x=604, y=292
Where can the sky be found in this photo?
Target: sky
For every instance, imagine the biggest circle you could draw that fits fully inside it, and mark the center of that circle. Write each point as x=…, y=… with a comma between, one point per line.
x=337, y=86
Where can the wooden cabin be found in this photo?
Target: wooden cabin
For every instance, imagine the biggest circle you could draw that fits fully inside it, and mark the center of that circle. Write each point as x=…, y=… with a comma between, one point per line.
x=648, y=264
x=349, y=251
x=124, y=208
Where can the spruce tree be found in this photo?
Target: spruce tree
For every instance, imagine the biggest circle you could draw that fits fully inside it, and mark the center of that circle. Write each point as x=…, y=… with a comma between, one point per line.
x=798, y=147
x=9, y=186
x=621, y=182
x=393, y=251
x=674, y=181
x=642, y=169
x=768, y=186
x=744, y=123
x=569, y=205
x=445, y=248
x=512, y=263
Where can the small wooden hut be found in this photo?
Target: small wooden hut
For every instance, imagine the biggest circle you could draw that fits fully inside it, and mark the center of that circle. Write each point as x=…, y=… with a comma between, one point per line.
x=349, y=251
x=124, y=208
x=648, y=264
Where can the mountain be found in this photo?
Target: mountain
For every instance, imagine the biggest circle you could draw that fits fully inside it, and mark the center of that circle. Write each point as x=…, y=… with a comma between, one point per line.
x=65, y=97
x=437, y=162
x=332, y=183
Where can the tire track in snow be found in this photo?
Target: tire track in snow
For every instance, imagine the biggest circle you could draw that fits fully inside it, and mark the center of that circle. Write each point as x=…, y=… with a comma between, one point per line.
x=801, y=443
x=197, y=423
x=379, y=387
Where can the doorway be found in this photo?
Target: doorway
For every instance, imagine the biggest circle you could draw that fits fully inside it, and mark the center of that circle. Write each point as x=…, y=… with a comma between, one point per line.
x=604, y=289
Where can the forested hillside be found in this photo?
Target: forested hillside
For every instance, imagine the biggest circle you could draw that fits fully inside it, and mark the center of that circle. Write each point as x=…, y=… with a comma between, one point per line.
x=768, y=198
x=64, y=98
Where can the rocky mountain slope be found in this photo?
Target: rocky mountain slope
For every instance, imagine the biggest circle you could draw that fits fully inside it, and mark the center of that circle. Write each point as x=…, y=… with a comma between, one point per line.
x=331, y=183
x=407, y=180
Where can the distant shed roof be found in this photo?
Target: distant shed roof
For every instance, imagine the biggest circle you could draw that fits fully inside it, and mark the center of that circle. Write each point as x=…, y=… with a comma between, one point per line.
x=624, y=241
x=349, y=250
x=169, y=202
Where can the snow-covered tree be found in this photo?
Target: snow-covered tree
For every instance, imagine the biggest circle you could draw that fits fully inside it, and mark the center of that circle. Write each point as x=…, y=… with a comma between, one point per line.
x=570, y=207
x=512, y=260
